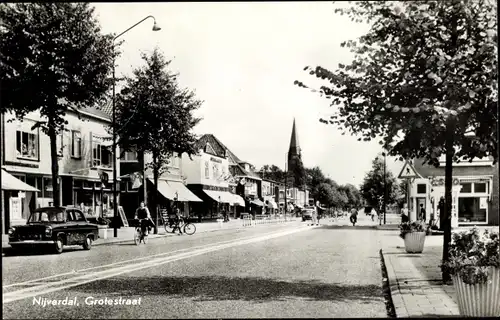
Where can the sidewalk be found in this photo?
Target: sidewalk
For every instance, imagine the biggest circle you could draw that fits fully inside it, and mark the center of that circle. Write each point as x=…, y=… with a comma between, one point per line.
x=415, y=279
x=126, y=234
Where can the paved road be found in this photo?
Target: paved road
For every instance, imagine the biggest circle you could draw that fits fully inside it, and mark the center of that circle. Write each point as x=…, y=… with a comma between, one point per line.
x=275, y=271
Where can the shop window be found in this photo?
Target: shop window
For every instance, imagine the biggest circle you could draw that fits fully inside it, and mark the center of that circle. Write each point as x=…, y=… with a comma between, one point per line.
x=421, y=188
x=470, y=210
x=27, y=145
x=466, y=187
x=76, y=144
x=480, y=187
x=207, y=170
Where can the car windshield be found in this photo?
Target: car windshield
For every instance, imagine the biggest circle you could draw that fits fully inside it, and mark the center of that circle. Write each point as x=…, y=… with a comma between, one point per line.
x=308, y=211
x=47, y=215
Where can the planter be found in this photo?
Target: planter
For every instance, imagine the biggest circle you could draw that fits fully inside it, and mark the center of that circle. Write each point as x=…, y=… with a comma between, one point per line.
x=103, y=232
x=479, y=300
x=414, y=242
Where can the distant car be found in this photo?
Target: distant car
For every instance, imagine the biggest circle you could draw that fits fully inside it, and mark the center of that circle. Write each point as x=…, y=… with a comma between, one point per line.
x=307, y=214
x=56, y=227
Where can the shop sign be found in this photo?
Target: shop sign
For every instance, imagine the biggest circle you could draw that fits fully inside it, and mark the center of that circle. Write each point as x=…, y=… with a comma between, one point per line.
x=215, y=160
x=483, y=203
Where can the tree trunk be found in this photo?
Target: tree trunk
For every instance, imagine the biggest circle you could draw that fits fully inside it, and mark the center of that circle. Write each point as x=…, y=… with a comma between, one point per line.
x=55, y=165
x=155, y=193
x=448, y=177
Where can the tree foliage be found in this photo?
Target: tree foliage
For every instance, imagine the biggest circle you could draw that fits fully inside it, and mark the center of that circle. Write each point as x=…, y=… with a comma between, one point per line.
x=54, y=59
x=421, y=63
x=372, y=188
x=272, y=172
x=154, y=115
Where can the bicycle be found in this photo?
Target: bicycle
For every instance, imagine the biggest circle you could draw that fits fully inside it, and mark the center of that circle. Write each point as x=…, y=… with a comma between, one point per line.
x=188, y=228
x=140, y=233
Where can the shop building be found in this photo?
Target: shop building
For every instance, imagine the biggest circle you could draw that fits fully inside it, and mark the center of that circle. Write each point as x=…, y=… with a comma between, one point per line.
x=208, y=177
x=270, y=195
x=172, y=191
x=474, y=192
x=85, y=164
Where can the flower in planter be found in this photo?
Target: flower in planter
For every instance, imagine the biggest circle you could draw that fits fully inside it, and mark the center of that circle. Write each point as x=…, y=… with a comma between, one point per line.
x=472, y=254
x=408, y=227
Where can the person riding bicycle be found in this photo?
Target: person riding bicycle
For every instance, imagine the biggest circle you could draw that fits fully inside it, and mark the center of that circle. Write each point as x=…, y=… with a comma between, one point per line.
x=143, y=215
x=354, y=216
x=177, y=221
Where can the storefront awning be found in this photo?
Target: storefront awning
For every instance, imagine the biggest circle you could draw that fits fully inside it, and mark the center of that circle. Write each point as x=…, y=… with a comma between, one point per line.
x=219, y=196
x=257, y=202
x=184, y=194
x=9, y=182
x=176, y=190
x=272, y=204
x=237, y=200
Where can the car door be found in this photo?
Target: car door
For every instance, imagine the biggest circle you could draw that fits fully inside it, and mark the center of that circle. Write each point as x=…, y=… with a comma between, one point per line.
x=84, y=228
x=72, y=236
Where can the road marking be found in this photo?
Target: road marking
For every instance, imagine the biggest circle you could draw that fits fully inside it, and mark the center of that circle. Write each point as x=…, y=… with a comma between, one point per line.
x=24, y=283
x=92, y=277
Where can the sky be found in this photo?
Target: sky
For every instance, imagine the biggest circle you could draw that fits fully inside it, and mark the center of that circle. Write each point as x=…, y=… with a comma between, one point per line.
x=241, y=59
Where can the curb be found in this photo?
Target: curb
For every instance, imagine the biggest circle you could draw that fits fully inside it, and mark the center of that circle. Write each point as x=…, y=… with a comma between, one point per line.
x=167, y=235
x=396, y=298
x=387, y=289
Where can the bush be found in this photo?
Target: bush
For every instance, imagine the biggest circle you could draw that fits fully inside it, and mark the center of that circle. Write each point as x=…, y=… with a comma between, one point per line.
x=472, y=254
x=408, y=227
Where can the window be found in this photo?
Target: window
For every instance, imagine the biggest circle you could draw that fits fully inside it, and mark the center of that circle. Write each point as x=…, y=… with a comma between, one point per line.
x=129, y=156
x=466, y=187
x=480, y=187
x=27, y=145
x=76, y=144
x=207, y=171
x=101, y=155
x=215, y=171
x=470, y=210
x=421, y=188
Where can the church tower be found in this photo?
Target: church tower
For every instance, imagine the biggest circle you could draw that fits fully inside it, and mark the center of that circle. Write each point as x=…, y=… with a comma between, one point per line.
x=294, y=151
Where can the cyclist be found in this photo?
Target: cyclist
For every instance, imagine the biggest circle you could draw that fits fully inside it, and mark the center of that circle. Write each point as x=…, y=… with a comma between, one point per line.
x=177, y=221
x=354, y=216
x=144, y=217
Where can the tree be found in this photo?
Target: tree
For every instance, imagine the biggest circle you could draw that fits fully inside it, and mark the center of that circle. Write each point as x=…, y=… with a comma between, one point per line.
x=272, y=172
x=154, y=115
x=373, y=188
x=314, y=178
x=54, y=59
x=423, y=78
x=325, y=194
x=353, y=195
x=299, y=174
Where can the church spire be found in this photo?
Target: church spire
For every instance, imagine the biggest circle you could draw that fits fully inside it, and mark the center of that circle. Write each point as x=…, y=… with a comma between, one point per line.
x=294, y=142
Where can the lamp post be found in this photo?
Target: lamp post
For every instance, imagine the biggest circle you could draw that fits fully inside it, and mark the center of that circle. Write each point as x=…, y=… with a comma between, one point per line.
x=115, y=203
x=385, y=188
x=286, y=175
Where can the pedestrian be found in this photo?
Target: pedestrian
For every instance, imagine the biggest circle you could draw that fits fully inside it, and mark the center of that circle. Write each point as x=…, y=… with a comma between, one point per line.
x=404, y=214
x=422, y=212
x=354, y=216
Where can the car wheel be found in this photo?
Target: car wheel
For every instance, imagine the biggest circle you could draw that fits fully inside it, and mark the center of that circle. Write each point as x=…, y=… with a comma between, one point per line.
x=87, y=245
x=59, y=245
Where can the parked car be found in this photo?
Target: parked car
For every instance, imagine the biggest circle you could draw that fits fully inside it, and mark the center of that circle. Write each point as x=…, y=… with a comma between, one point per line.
x=307, y=214
x=56, y=227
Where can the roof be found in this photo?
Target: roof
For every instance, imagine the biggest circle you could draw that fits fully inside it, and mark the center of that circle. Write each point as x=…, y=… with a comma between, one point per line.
x=218, y=148
x=96, y=112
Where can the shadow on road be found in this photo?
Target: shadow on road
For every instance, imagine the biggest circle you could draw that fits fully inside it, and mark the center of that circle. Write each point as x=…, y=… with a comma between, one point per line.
x=347, y=227
x=219, y=288
x=10, y=252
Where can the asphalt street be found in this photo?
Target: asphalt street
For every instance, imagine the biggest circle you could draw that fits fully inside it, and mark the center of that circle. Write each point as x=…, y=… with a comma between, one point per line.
x=269, y=271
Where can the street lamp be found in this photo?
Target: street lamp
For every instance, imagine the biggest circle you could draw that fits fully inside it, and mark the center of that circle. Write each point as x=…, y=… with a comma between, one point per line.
x=115, y=203
x=286, y=174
